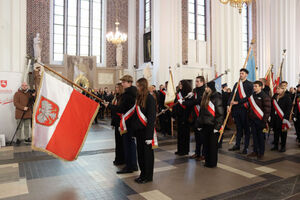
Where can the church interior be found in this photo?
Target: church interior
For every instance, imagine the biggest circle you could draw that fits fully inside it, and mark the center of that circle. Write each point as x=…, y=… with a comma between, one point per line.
x=94, y=44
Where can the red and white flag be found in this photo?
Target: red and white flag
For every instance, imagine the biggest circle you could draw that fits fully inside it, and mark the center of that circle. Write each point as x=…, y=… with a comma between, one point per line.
x=61, y=118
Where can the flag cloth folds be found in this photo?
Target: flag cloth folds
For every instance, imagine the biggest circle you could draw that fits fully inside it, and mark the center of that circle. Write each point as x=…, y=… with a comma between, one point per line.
x=251, y=67
x=170, y=94
x=61, y=118
x=218, y=83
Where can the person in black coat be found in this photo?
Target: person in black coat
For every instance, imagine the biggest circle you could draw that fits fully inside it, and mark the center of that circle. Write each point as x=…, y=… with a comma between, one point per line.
x=127, y=101
x=259, y=113
x=193, y=102
x=210, y=122
x=278, y=121
x=239, y=110
x=181, y=113
x=115, y=122
x=164, y=119
x=296, y=113
x=143, y=122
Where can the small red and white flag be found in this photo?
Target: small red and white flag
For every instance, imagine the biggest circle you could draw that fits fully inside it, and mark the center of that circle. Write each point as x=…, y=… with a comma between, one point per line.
x=61, y=118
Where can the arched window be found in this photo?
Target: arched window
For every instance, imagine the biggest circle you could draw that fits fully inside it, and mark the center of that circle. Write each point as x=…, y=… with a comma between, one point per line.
x=245, y=32
x=197, y=19
x=147, y=16
x=77, y=28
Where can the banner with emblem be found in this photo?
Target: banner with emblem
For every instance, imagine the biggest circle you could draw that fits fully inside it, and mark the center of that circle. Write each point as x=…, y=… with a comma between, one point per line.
x=61, y=118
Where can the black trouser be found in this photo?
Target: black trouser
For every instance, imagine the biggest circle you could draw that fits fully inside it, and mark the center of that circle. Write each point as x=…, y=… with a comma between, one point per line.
x=120, y=158
x=277, y=128
x=297, y=128
x=211, y=146
x=256, y=129
x=199, y=138
x=242, y=126
x=165, y=123
x=145, y=156
x=183, y=137
x=130, y=150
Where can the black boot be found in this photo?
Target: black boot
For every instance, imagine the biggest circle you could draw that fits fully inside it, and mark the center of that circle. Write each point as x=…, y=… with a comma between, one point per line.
x=275, y=148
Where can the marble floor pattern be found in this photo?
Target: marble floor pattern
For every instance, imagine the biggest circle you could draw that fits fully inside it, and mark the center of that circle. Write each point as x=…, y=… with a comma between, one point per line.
x=30, y=175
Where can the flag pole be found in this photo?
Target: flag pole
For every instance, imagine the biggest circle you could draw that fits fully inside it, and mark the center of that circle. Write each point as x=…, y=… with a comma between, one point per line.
x=238, y=84
x=69, y=81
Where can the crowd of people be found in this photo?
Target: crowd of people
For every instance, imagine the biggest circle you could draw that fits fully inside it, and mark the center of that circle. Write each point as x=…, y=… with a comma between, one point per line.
x=201, y=110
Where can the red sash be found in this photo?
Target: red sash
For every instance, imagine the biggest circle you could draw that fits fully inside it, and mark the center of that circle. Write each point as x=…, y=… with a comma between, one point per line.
x=197, y=107
x=211, y=108
x=164, y=93
x=179, y=96
x=259, y=113
x=242, y=93
x=285, y=123
x=142, y=119
x=125, y=117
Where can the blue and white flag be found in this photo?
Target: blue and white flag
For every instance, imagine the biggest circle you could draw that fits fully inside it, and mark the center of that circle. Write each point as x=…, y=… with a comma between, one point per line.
x=218, y=84
x=251, y=67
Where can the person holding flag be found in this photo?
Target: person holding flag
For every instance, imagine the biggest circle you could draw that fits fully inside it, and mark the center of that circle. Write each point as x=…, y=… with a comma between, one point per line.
x=181, y=112
x=165, y=118
x=125, y=106
x=193, y=101
x=143, y=122
x=280, y=114
x=209, y=122
x=259, y=112
x=240, y=106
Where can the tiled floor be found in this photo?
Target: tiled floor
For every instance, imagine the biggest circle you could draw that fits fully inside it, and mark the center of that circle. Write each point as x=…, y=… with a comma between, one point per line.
x=25, y=174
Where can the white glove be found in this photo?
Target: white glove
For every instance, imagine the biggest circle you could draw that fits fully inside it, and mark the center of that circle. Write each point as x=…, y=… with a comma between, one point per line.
x=269, y=119
x=216, y=131
x=190, y=95
x=199, y=129
x=148, y=142
x=295, y=119
x=180, y=101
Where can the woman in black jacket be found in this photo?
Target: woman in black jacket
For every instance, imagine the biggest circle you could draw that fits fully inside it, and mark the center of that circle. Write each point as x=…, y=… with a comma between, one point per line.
x=280, y=114
x=115, y=122
x=210, y=121
x=143, y=122
x=181, y=112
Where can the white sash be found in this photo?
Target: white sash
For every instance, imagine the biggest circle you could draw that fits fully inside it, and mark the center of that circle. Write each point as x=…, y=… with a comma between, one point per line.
x=143, y=119
x=259, y=113
x=285, y=123
x=211, y=108
x=125, y=117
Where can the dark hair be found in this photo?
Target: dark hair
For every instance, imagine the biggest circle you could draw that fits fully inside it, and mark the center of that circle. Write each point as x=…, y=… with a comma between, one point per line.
x=186, y=87
x=201, y=78
x=284, y=82
x=142, y=95
x=258, y=83
x=244, y=70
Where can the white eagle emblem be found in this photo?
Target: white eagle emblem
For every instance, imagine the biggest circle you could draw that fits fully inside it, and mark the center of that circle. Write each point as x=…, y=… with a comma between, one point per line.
x=47, y=112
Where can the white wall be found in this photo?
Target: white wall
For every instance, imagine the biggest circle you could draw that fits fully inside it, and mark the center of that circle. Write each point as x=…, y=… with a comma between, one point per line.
x=12, y=35
x=226, y=40
x=278, y=25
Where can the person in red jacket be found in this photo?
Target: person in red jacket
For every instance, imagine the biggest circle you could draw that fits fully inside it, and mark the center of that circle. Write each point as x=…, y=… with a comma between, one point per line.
x=259, y=112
